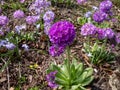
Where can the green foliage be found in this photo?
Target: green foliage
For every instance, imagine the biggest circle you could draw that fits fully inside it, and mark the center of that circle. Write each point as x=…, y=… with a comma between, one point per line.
x=34, y=88
x=74, y=78
x=82, y=20
x=98, y=54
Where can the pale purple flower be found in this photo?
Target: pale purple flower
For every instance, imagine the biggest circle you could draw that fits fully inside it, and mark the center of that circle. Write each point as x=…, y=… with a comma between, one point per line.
x=56, y=50
x=10, y=46
x=100, y=16
x=22, y=1
x=117, y=38
x=109, y=33
x=88, y=29
x=19, y=28
x=18, y=14
x=51, y=79
x=81, y=1
x=94, y=8
x=47, y=27
x=105, y=5
x=88, y=14
x=3, y=20
x=26, y=47
x=49, y=16
x=42, y=3
x=3, y=42
x=32, y=19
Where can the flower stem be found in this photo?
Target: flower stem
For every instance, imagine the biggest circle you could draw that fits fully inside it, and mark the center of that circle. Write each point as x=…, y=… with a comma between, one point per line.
x=68, y=64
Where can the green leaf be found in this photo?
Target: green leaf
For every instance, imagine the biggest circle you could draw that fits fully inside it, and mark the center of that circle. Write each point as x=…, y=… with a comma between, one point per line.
x=89, y=72
x=87, y=81
x=79, y=69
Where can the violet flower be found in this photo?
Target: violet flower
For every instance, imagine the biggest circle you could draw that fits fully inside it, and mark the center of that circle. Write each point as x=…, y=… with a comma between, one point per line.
x=109, y=33
x=88, y=14
x=62, y=33
x=100, y=16
x=18, y=14
x=3, y=20
x=22, y=1
x=48, y=16
x=81, y=1
x=26, y=47
x=47, y=27
x=88, y=29
x=56, y=50
x=105, y=6
x=32, y=19
x=51, y=79
x=117, y=38
x=101, y=33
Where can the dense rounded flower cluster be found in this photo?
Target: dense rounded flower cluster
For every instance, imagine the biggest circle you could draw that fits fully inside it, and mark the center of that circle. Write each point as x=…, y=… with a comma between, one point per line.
x=100, y=16
x=88, y=29
x=105, y=5
x=62, y=33
x=18, y=14
x=48, y=16
x=31, y=19
x=3, y=20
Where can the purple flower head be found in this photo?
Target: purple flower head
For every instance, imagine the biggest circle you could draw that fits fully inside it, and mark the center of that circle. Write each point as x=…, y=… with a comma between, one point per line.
x=47, y=27
x=42, y=3
x=1, y=32
x=62, y=33
x=22, y=1
x=81, y=1
x=10, y=46
x=88, y=14
x=49, y=16
x=19, y=28
x=31, y=19
x=117, y=38
x=51, y=79
x=3, y=20
x=101, y=33
x=109, y=33
x=99, y=16
x=105, y=6
x=26, y=47
x=56, y=50
x=88, y=29
x=18, y=14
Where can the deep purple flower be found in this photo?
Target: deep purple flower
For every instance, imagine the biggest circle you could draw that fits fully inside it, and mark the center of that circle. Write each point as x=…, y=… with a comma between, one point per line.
x=3, y=20
x=18, y=14
x=117, y=38
x=47, y=26
x=109, y=33
x=56, y=50
x=105, y=5
x=88, y=29
x=32, y=19
x=81, y=1
x=49, y=16
x=26, y=47
x=51, y=79
x=101, y=33
x=100, y=16
x=62, y=33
